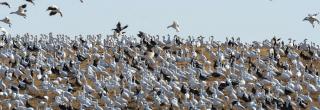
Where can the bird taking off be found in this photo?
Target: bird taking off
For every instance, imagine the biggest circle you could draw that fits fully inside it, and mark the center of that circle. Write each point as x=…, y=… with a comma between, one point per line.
x=175, y=26
x=54, y=10
x=312, y=18
x=118, y=31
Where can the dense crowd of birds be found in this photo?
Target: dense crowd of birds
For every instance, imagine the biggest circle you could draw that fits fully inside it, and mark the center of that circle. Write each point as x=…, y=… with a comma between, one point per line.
x=49, y=71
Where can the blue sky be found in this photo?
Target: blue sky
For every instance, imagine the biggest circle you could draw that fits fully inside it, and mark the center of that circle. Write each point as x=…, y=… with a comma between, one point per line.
x=248, y=19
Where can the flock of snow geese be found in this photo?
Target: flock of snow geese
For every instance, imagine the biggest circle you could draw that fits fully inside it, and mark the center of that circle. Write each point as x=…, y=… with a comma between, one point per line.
x=116, y=72
x=22, y=11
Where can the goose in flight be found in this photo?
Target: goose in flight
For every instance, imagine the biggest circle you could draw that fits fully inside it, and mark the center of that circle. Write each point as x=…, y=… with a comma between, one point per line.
x=81, y=1
x=5, y=3
x=21, y=11
x=175, y=26
x=312, y=18
x=54, y=10
x=7, y=21
x=118, y=31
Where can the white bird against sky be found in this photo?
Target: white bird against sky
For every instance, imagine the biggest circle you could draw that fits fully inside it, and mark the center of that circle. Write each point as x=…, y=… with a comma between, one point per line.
x=175, y=26
x=6, y=20
x=21, y=11
x=312, y=18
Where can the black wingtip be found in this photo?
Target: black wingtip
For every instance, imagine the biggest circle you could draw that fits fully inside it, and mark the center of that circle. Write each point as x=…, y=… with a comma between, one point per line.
x=24, y=5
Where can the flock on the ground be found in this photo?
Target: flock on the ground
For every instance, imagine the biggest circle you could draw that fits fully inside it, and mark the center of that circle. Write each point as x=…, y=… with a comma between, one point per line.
x=117, y=72
x=146, y=72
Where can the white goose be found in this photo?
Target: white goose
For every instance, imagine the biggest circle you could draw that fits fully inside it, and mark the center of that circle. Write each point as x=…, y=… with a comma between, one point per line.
x=21, y=11
x=312, y=18
x=6, y=20
x=175, y=26
x=105, y=98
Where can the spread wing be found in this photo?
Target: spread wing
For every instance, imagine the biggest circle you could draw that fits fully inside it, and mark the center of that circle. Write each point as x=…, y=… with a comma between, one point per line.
x=125, y=27
x=53, y=13
x=53, y=7
x=60, y=14
x=30, y=1
x=5, y=3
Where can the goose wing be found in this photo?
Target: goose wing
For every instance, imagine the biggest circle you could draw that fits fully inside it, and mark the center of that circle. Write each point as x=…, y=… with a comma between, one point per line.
x=175, y=23
x=5, y=3
x=52, y=7
x=53, y=13
x=125, y=27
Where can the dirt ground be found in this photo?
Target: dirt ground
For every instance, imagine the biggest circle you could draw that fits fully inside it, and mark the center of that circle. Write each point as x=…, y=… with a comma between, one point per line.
x=35, y=102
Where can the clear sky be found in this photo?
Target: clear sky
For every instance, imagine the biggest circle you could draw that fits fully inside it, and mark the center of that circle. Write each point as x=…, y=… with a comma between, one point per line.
x=248, y=19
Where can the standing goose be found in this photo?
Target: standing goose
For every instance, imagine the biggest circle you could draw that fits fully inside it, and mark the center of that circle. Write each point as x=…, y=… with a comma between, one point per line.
x=21, y=11
x=54, y=10
x=175, y=26
x=6, y=20
x=312, y=18
x=5, y=3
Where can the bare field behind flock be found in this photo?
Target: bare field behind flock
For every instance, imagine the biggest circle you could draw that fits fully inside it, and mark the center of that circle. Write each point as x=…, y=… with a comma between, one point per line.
x=93, y=55
x=41, y=96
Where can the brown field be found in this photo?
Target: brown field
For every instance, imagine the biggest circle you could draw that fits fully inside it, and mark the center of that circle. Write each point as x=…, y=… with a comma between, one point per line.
x=35, y=102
